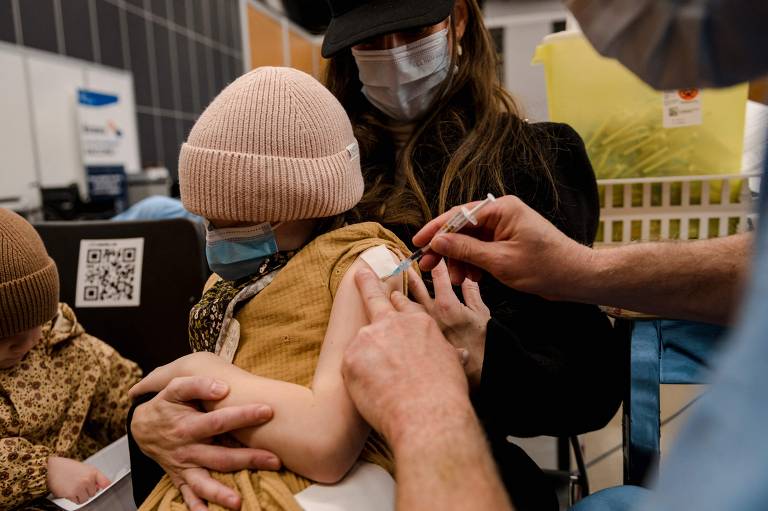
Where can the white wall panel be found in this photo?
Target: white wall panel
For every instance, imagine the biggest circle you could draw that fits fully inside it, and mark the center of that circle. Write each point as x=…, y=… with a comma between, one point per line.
x=53, y=84
x=18, y=175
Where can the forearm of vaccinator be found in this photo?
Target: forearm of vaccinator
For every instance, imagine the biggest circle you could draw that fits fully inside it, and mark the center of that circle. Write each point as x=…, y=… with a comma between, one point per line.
x=695, y=280
x=443, y=462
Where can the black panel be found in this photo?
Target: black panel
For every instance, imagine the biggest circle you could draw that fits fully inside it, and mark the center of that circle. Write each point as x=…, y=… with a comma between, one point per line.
x=237, y=42
x=179, y=12
x=206, y=94
x=233, y=26
x=225, y=65
x=147, y=140
x=235, y=67
x=218, y=71
x=110, y=40
x=158, y=120
x=172, y=141
x=158, y=7
x=187, y=128
x=77, y=29
x=185, y=74
x=137, y=38
x=164, y=63
x=214, y=9
x=38, y=24
x=226, y=23
x=200, y=10
x=137, y=3
x=7, y=30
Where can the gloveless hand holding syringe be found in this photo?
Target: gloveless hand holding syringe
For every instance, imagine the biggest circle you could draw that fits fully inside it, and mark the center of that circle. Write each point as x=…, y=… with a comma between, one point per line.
x=455, y=224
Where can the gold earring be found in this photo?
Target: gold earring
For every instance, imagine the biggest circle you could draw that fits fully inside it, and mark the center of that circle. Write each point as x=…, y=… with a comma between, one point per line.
x=460, y=51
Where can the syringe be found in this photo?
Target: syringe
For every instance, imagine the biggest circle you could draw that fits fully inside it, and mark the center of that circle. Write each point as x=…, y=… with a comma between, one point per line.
x=455, y=224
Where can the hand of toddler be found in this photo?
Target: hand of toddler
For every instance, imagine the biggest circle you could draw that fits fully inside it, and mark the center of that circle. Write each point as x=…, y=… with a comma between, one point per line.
x=73, y=480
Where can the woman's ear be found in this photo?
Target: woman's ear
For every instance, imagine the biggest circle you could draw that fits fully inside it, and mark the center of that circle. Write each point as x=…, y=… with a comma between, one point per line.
x=460, y=15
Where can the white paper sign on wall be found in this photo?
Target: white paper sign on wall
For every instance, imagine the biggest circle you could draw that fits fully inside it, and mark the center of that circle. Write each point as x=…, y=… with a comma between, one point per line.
x=103, y=120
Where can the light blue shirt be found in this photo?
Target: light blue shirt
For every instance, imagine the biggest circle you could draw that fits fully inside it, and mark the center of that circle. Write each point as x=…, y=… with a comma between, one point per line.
x=157, y=207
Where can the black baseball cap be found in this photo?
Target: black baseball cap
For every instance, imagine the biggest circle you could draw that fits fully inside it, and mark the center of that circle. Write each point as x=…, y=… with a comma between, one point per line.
x=353, y=21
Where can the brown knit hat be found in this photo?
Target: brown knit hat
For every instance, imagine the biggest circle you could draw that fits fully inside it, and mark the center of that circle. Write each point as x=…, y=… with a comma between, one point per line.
x=29, y=282
x=274, y=145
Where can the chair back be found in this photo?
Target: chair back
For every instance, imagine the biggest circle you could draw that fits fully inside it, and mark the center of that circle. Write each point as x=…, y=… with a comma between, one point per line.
x=131, y=284
x=662, y=352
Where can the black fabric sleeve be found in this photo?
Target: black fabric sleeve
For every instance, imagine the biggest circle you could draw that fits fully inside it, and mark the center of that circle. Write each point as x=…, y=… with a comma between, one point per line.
x=532, y=387
x=145, y=473
x=551, y=368
x=577, y=212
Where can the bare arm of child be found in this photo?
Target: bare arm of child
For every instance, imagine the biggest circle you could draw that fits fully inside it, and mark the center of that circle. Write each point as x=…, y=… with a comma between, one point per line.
x=317, y=432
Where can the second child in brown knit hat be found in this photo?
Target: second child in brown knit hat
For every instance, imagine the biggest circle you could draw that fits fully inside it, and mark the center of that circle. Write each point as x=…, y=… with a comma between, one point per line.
x=273, y=166
x=63, y=393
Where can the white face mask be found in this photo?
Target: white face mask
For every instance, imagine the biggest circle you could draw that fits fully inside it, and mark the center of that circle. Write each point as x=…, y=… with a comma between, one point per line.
x=402, y=82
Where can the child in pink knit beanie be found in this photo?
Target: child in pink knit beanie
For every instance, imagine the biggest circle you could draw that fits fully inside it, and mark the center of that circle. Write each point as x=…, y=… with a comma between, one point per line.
x=273, y=167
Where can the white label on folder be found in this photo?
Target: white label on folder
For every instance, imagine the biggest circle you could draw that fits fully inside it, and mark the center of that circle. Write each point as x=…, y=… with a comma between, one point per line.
x=682, y=108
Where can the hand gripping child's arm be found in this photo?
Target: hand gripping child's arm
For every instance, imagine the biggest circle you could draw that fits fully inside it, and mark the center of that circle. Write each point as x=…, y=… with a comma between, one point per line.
x=316, y=432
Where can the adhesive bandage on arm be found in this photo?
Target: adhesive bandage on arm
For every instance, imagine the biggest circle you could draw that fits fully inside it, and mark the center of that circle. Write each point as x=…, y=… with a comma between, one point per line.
x=380, y=259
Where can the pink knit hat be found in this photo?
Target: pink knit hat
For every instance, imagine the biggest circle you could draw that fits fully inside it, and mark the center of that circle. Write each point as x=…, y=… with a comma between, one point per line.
x=274, y=145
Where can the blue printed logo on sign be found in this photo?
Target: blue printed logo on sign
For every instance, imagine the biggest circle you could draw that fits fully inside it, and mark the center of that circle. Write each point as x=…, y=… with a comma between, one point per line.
x=90, y=98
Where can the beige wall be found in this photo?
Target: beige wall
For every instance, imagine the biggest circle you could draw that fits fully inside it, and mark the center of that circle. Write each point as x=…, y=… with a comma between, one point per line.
x=277, y=42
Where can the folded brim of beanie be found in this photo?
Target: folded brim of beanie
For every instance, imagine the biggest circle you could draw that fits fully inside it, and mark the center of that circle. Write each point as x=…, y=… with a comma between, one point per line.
x=30, y=301
x=267, y=188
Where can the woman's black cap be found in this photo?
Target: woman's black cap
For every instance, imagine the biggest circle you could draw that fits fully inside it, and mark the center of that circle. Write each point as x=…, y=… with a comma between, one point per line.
x=355, y=21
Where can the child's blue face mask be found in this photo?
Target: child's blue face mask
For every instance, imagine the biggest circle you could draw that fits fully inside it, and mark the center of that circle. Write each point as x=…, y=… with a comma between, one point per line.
x=237, y=252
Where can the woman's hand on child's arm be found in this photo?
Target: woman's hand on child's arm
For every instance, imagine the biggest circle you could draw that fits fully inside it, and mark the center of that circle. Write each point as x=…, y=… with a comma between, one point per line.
x=74, y=480
x=464, y=324
x=171, y=429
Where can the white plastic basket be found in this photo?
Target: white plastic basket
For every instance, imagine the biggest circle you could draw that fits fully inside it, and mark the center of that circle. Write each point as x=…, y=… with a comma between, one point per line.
x=662, y=208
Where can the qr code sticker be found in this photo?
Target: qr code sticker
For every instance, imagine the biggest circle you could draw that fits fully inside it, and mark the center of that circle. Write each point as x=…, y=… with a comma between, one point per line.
x=109, y=273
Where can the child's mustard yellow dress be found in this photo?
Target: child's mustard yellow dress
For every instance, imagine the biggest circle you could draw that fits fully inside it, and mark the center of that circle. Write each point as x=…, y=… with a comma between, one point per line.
x=278, y=334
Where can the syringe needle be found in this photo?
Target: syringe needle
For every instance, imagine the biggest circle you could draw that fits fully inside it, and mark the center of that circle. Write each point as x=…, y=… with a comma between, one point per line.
x=455, y=224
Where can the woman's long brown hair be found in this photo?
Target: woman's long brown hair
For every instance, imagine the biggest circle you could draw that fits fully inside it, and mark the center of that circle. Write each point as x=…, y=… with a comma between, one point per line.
x=474, y=126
